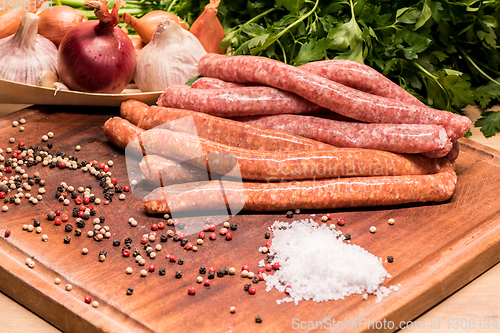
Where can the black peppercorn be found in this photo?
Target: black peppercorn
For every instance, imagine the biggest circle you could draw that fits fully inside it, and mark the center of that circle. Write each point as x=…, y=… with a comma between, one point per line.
x=86, y=216
x=178, y=274
x=180, y=225
x=176, y=238
x=68, y=228
x=136, y=252
x=67, y=239
x=390, y=259
x=126, y=247
x=162, y=271
x=258, y=319
x=269, y=258
x=255, y=279
x=211, y=275
x=289, y=214
x=234, y=226
x=226, y=271
x=103, y=253
x=102, y=219
x=180, y=261
x=203, y=270
x=116, y=242
x=74, y=195
x=347, y=236
x=78, y=232
x=92, y=212
x=267, y=235
x=5, y=200
x=246, y=286
x=127, y=240
x=130, y=291
x=36, y=223
x=80, y=223
x=220, y=273
x=163, y=238
x=50, y=145
x=184, y=241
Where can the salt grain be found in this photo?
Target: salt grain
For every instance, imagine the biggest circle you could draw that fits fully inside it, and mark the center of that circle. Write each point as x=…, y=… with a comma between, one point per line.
x=318, y=265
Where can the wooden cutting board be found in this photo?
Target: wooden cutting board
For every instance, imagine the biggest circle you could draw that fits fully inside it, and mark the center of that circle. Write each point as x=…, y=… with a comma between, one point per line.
x=437, y=248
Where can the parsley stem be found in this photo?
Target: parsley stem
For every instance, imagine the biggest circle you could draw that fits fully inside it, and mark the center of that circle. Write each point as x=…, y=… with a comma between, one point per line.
x=302, y=18
x=478, y=68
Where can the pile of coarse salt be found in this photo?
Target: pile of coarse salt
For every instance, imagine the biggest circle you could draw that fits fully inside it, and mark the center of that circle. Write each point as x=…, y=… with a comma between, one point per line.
x=316, y=263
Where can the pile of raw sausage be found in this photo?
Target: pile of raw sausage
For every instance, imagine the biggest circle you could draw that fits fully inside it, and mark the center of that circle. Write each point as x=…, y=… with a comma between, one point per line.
x=380, y=145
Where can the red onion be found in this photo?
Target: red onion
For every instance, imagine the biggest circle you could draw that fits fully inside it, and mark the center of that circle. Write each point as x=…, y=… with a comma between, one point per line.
x=97, y=56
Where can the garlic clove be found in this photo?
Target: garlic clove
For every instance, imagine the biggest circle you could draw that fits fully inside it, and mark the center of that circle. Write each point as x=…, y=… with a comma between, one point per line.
x=46, y=79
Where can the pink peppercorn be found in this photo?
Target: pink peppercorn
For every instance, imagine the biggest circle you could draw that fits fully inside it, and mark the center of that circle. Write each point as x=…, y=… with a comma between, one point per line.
x=329, y=216
x=245, y=268
x=213, y=236
x=206, y=283
x=211, y=269
x=268, y=244
x=173, y=258
x=62, y=165
x=276, y=265
x=144, y=240
x=260, y=276
x=2, y=195
x=191, y=291
x=229, y=236
x=82, y=208
x=114, y=181
x=64, y=217
x=88, y=299
x=57, y=212
x=154, y=226
x=261, y=270
x=57, y=221
x=211, y=227
x=86, y=200
x=223, y=231
x=206, y=228
x=101, y=165
x=340, y=222
x=151, y=268
x=201, y=235
x=7, y=233
x=188, y=246
x=126, y=253
x=252, y=290
x=81, y=214
x=105, y=169
x=106, y=202
x=269, y=267
x=126, y=188
x=161, y=225
x=8, y=169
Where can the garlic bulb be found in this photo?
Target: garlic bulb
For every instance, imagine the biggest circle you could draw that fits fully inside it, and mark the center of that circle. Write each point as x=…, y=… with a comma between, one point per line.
x=171, y=58
x=24, y=55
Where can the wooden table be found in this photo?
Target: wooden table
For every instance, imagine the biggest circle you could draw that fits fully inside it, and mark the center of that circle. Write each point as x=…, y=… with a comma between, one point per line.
x=476, y=301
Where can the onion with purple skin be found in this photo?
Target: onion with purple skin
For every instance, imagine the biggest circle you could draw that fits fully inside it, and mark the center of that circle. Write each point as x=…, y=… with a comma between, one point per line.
x=97, y=56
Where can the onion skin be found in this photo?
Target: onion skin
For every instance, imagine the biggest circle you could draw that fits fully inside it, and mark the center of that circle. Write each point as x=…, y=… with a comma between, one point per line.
x=208, y=30
x=146, y=25
x=57, y=21
x=96, y=56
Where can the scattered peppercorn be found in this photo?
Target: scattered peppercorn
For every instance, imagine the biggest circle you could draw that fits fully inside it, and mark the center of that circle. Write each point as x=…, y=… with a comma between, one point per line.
x=67, y=239
x=51, y=216
x=7, y=233
x=178, y=274
x=68, y=228
x=220, y=273
x=211, y=275
x=162, y=271
x=255, y=279
x=202, y=270
x=180, y=261
x=267, y=235
x=347, y=236
x=289, y=214
x=252, y=290
x=258, y=319
x=390, y=259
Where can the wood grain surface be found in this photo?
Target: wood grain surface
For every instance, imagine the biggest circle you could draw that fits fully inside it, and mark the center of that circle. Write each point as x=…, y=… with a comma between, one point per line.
x=438, y=248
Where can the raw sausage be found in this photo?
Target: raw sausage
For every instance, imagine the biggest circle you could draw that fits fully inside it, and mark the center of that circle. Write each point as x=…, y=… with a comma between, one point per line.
x=230, y=132
x=133, y=110
x=319, y=194
x=401, y=138
x=358, y=76
x=213, y=83
x=329, y=94
x=162, y=171
x=120, y=132
x=236, y=102
x=280, y=166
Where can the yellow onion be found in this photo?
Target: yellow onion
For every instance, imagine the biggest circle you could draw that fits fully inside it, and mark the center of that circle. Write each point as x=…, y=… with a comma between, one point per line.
x=57, y=21
x=146, y=25
x=10, y=18
x=207, y=28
